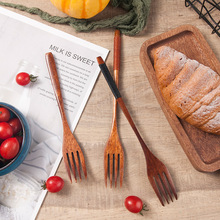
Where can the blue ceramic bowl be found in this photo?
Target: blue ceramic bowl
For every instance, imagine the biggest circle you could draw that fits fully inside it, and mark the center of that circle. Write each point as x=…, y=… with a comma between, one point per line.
x=26, y=143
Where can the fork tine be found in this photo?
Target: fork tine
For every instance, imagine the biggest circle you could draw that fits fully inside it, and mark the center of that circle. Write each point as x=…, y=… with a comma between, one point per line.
x=82, y=160
x=71, y=162
x=111, y=168
x=153, y=183
x=170, y=181
x=165, y=182
x=83, y=163
x=66, y=162
x=106, y=167
x=161, y=187
x=121, y=171
x=116, y=161
x=76, y=159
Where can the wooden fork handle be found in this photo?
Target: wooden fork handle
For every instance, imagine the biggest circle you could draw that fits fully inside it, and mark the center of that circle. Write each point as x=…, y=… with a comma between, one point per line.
x=121, y=103
x=114, y=118
x=128, y=116
x=51, y=65
x=117, y=51
x=117, y=56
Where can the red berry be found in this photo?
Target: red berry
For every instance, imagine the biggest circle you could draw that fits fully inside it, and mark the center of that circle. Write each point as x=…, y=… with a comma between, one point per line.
x=4, y=114
x=9, y=148
x=24, y=78
x=53, y=184
x=6, y=130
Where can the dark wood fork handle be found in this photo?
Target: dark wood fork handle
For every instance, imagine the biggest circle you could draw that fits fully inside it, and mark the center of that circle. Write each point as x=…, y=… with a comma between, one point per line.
x=109, y=79
x=51, y=65
x=121, y=103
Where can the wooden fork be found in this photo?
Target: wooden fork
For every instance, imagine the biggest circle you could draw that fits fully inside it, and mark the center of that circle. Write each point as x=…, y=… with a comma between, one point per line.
x=157, y=172
x=114, y=154
x=72, y=153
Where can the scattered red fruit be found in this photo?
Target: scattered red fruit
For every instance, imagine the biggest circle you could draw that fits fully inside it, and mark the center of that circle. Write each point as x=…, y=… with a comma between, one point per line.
x=53, y=184
x=24, y=78
x=4, y=114
x=134, y=204
x=9, y=148
x=6, y=130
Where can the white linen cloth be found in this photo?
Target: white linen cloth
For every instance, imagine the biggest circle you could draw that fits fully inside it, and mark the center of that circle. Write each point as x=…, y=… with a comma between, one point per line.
x=20, y=189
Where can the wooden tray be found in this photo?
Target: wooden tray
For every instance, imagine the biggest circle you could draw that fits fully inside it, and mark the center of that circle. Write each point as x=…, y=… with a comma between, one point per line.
x=202, y=149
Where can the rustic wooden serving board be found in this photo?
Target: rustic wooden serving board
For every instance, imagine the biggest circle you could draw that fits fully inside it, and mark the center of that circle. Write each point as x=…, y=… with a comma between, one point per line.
x=202, y=149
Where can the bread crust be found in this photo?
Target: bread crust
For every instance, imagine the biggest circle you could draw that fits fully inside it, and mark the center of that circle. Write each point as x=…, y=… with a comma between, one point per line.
x=191, y=89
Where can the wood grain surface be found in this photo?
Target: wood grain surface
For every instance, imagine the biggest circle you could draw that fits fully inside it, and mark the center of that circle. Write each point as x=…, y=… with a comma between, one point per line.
x=198, y=192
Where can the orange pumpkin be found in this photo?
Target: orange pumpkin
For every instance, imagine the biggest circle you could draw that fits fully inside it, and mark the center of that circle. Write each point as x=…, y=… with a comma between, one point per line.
x=80, y=8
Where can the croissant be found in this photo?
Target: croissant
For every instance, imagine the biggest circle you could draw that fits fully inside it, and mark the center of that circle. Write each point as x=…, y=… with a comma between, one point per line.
x=191, y=89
